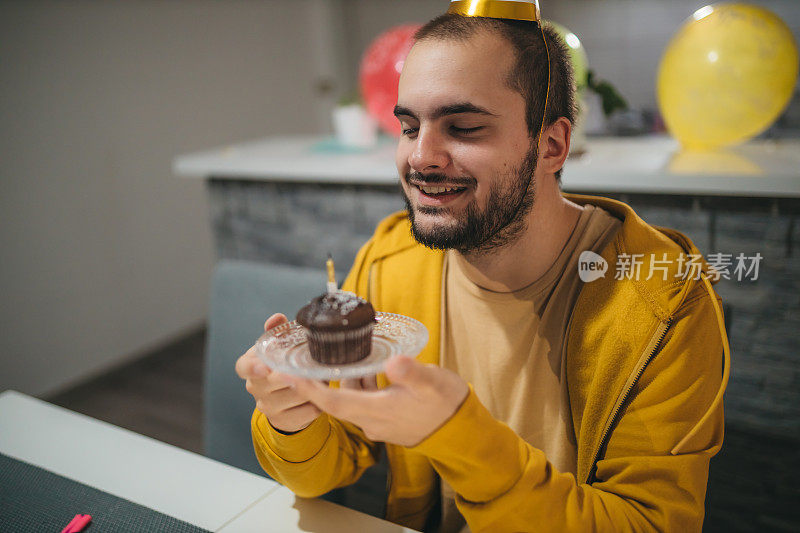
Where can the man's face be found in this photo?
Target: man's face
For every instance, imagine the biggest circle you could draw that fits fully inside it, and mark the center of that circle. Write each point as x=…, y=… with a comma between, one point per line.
x=465, y=158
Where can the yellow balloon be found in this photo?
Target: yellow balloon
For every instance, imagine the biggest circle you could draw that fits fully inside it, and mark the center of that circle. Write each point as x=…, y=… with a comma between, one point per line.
x=726, y=75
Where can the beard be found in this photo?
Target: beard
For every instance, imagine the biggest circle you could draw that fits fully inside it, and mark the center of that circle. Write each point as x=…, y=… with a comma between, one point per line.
x=478, y=232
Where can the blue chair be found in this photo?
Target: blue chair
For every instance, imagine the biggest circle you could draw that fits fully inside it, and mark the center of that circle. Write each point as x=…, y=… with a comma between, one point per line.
x=243, y=296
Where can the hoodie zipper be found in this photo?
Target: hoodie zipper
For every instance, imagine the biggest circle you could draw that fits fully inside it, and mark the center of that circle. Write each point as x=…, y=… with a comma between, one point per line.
x=659, y=338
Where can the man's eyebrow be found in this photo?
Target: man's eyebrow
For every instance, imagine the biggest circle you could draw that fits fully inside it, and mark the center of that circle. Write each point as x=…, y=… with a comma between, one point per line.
x=457, y=109
x=400, y=111
x=443, y=111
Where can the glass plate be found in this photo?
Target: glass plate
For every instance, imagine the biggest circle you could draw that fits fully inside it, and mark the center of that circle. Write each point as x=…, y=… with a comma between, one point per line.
x=285, y=348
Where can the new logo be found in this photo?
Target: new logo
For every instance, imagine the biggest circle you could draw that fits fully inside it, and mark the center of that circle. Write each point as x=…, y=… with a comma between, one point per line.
x=591, y=266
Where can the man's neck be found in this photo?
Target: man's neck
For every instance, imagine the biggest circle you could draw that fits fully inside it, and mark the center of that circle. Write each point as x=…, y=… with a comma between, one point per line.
x=520, y=263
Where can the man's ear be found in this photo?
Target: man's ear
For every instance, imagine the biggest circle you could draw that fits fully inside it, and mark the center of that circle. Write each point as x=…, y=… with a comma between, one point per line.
x=554, y=145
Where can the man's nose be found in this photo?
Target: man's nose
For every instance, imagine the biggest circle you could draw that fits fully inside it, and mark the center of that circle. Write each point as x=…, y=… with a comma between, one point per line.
x=429, y=151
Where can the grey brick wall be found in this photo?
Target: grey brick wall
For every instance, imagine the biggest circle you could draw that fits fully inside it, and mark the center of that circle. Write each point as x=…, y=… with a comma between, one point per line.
x=296, y=224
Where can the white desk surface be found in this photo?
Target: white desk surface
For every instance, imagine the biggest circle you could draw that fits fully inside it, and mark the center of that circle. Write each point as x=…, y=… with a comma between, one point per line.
x=647, y=164
x=170, y=480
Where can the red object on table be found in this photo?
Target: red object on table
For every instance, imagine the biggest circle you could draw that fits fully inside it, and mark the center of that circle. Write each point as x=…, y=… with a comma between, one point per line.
x=78, y=523
x=380, y=73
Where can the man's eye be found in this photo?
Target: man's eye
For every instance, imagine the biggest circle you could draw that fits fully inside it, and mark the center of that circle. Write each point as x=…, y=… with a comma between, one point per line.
x=409, y=131
x=465, y=131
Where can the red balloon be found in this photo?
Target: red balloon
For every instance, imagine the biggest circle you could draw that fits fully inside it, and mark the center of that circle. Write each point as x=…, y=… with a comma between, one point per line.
x=380, y=73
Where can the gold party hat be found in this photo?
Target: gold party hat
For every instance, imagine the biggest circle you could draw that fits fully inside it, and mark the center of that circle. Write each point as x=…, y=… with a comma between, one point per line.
x=498, y=9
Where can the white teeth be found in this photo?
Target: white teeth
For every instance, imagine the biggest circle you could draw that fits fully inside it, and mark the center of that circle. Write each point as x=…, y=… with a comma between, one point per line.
x=437, y=190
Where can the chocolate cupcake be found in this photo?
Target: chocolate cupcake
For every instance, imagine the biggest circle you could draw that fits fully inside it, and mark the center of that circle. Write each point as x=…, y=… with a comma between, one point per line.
x=339, y=327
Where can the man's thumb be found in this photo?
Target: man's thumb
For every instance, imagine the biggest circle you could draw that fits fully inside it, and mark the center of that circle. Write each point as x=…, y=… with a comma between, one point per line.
x=403, y=369
x=274, y=321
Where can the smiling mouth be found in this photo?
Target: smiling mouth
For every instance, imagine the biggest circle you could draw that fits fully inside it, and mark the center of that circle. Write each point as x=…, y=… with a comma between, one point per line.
x=438, y=191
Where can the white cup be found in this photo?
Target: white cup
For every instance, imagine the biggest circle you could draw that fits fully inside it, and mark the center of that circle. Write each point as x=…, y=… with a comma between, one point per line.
x=354, y=126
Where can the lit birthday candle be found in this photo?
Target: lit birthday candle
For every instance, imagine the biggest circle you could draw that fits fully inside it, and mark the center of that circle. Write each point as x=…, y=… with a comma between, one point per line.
x=331, y=276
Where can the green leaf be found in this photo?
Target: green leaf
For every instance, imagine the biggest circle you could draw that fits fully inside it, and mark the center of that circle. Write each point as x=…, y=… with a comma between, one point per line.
x=611, y=99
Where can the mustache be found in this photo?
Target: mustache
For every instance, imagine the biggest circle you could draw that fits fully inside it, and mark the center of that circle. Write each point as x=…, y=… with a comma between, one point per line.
x=436, y=177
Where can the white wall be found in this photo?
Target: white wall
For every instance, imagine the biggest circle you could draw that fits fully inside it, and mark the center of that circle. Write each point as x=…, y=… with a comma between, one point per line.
x=104, y=253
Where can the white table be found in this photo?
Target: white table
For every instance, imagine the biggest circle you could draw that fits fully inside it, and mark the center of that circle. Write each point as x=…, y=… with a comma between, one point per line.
x=643, y=165
x=170, y=480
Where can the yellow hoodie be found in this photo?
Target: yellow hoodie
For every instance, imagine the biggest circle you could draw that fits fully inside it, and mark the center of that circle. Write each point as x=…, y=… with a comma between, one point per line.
x=647, y=365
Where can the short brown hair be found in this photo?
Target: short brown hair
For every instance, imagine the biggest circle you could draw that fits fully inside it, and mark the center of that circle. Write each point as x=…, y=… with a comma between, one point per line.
x=529, y=75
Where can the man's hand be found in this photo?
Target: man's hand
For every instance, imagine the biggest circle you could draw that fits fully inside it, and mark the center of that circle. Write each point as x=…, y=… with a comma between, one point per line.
x=285, y=407
x=420, y=399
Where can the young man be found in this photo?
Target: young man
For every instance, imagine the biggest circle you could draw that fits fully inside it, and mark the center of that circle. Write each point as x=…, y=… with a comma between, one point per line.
x=541, y=402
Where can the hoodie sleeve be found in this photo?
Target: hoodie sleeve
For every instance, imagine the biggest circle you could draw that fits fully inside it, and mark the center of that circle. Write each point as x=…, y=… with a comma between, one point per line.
x=327, y=454
x=653, y=473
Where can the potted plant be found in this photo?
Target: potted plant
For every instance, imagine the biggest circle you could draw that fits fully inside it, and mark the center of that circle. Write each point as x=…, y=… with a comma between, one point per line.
x=353, y=125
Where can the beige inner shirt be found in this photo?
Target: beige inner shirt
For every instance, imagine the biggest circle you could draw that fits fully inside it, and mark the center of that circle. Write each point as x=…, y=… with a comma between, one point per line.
x=509, y=344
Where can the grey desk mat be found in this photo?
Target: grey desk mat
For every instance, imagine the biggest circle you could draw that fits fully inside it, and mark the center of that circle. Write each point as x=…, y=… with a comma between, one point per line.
x=34, y=500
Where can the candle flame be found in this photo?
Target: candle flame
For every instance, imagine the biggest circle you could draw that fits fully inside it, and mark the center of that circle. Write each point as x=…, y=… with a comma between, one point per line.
x=331, y=275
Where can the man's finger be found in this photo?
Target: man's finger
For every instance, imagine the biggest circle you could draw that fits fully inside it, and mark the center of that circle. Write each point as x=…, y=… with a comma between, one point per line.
x=274, y=321
x=287, y=398
x=249, y=366
x=279, y=381
x=304, y=409
x=407, y=371
x=351, y=383
x=346, y=404
x=368, y=383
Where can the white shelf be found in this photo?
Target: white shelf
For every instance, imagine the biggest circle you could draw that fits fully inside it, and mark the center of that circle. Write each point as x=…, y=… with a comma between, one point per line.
x=291, y=159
